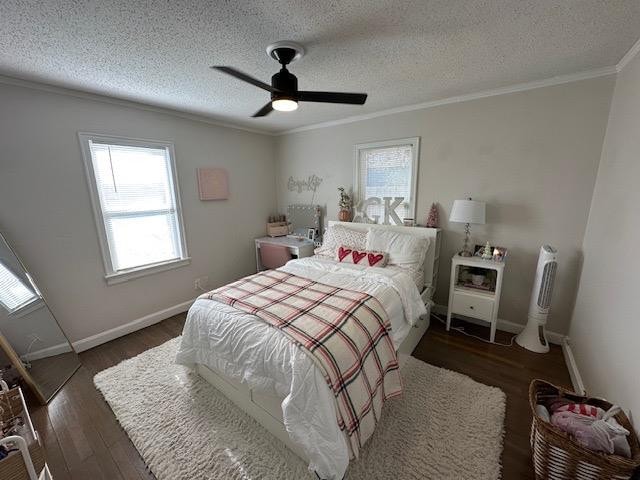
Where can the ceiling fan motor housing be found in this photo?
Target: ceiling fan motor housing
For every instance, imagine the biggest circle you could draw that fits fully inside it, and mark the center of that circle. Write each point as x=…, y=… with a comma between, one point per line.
x=285, y=82
x=284, y=55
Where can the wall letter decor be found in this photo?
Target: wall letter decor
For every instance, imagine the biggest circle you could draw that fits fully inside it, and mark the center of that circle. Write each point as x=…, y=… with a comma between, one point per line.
x=389, y=210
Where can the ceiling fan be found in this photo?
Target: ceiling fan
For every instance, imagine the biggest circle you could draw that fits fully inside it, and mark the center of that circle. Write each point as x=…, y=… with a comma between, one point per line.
x=284, y=85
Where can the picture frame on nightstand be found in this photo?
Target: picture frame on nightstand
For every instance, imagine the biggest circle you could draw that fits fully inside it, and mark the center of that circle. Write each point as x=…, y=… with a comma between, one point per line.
x=499, y=253
x=311, y=234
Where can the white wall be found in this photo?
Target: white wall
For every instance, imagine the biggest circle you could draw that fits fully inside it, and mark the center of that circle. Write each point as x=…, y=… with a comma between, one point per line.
x=45, y=211
x=605, y=329
x=532, y=156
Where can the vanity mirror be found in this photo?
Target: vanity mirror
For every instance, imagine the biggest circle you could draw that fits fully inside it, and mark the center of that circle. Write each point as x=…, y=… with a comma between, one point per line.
x=303, y=218
x=30, y=337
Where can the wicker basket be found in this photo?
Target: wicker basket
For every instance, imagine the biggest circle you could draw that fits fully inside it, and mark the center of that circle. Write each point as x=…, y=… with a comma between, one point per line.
x=557, y=456
x=13, y=467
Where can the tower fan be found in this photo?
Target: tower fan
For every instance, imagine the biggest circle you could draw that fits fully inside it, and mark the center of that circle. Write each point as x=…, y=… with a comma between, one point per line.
x=534, y=336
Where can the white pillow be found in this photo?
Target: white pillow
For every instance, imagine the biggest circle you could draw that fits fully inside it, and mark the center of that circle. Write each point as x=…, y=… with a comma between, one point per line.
x=338, y=235
x=417, y=275
x=407, y=251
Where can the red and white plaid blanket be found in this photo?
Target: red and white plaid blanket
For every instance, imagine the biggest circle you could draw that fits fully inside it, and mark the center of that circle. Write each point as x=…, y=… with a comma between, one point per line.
x=345, y=332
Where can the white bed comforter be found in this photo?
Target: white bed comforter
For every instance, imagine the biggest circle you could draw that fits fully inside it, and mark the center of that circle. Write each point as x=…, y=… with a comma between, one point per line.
x=244, y=348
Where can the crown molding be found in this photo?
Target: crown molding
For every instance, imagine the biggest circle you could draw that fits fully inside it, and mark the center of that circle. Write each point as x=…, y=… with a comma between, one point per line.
x=7, y=80
x=521, y=87
x=624, y=61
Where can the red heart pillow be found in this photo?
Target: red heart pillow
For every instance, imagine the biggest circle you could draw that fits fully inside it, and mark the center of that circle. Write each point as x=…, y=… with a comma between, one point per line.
x=343, y=252
x=374, y=258
x=346, y=254
x=357, y=256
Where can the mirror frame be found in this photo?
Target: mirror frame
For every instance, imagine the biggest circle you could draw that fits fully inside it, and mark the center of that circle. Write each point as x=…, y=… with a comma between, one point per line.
x=15, y=358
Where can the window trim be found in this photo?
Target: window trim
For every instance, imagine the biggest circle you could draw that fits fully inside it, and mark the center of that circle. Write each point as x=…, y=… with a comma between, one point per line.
x=113, y=276
x=415, y=160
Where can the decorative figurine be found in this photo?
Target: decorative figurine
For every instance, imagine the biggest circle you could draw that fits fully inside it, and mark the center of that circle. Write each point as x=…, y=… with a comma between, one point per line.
x=434, y=218
x=487, y=253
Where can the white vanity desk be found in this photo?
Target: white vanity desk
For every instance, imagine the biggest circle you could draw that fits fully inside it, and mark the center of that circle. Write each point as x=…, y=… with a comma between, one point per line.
x=299, y=248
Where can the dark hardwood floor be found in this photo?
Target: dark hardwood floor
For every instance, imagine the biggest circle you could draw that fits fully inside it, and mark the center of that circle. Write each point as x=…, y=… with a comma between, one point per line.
x=83, y=440
x=509, y=368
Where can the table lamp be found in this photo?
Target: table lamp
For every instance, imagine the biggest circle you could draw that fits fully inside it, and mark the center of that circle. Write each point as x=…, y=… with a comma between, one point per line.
x=467, y=212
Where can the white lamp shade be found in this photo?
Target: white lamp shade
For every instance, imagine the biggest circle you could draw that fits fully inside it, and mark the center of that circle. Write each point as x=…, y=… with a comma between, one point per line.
x=468, y=211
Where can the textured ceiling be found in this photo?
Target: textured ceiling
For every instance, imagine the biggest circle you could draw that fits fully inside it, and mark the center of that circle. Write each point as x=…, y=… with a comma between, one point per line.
x=402, y=52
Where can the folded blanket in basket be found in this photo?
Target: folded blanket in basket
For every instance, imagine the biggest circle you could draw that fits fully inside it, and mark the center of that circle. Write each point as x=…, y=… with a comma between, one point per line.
x=599, y=432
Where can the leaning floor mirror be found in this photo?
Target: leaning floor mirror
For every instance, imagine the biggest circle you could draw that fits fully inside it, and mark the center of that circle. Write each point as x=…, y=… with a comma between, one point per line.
x=32, y=344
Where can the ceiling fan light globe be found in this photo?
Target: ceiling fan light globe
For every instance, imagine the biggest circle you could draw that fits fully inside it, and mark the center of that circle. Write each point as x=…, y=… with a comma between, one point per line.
x=284, y=105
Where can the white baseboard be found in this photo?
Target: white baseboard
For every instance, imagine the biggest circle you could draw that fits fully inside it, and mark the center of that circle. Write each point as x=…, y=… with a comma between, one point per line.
x=572, y=366
x=46, y=352
x=504, y=325
x=147, y=320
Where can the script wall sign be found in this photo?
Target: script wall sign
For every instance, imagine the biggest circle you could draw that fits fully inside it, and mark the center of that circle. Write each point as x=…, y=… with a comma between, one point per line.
x=309, y=184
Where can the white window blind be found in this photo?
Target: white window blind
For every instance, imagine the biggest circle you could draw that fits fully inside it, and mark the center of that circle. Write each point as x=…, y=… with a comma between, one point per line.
x=138, y=204
x=14, y=293
x=387, y=169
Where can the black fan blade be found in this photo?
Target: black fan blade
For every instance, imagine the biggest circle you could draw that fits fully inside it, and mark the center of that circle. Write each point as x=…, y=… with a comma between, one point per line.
x=245, y=78
x=332, y=97
x=266, y=110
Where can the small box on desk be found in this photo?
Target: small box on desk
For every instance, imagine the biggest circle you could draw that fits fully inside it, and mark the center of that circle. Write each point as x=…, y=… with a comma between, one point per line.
x=277, y=229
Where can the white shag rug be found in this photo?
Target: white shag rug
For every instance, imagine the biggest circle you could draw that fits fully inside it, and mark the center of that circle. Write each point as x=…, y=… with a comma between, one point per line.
x=444, y=426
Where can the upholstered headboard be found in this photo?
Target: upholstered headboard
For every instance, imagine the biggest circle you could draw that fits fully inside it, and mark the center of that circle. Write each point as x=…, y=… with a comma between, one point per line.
x=431, y=258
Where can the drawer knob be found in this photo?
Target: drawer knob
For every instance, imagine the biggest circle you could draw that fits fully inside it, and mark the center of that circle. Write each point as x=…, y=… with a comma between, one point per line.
x=471, y=307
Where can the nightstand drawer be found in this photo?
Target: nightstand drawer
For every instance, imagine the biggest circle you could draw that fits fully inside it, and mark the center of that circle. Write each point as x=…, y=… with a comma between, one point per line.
x=472, y=306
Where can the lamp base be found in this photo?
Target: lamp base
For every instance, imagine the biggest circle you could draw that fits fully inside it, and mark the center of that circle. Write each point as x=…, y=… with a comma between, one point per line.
x=466, y=252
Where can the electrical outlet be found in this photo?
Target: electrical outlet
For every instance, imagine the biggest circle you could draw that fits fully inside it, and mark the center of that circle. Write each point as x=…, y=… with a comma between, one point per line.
x=201, y=283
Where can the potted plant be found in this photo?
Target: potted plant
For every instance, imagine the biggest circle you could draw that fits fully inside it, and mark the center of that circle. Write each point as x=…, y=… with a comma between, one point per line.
x=344, y=206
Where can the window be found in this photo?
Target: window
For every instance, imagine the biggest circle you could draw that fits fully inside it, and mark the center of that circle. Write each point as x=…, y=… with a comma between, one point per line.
x=386, y=175
x=136, y=204
x=14, y=293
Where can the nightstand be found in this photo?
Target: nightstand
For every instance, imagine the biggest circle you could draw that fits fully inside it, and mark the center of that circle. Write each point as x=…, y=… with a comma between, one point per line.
x=476, y=301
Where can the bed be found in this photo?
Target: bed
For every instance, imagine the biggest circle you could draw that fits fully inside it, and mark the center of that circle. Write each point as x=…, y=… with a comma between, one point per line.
x=268, y=376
